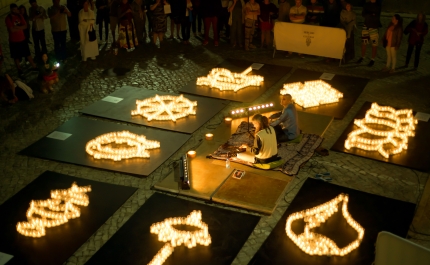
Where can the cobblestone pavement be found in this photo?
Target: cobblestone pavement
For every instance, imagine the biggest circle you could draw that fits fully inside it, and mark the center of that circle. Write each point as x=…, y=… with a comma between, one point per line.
x=168, y=69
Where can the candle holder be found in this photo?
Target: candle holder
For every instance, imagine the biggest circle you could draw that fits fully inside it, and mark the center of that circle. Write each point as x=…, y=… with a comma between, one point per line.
x=209, y=136
x=191, y=154
x=228, y=120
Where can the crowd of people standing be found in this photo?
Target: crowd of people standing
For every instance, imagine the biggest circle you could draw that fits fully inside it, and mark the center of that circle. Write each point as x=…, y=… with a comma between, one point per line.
x=131, y=22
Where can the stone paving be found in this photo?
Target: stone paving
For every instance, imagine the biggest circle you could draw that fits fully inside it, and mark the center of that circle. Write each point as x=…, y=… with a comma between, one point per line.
x=168, y=69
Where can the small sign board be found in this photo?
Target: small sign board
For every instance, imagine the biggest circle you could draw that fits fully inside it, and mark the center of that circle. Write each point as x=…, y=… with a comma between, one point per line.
x=59, y=135
x=112, y=99
x=421, y=116
x=257, y=66
x=327, y=76
x=4, y=258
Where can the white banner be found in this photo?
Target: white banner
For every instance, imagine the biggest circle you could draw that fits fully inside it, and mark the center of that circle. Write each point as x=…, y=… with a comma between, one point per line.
x=309, y=39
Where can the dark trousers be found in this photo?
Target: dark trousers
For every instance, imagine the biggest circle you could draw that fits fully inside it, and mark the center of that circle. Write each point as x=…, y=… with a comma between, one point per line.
x=197, y=19
x=214, y=22
x=186, y=28
x=417, y=54
x=60, y=44
x=39, y=42
x=73, y=22
x=105, y=21
x=223, y=21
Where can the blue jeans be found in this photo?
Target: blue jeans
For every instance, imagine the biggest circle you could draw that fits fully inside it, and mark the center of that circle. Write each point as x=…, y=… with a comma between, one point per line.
x=60, y=44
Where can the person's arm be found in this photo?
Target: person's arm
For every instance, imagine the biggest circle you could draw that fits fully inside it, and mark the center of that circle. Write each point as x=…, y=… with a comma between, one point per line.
x=67, y=12
x=51, y=12
x=12, y=86
x=154, y=6
x=257, y=145
x=281, y=118
x=43, y=14
x=12, y=27
x=399, y=38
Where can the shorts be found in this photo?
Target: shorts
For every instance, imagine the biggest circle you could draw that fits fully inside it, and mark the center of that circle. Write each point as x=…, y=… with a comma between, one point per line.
x=370, y=35
x=113, y=21
x=19, y=49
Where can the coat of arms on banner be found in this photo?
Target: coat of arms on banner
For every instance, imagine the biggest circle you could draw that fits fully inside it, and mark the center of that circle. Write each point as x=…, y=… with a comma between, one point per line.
x=308, y=41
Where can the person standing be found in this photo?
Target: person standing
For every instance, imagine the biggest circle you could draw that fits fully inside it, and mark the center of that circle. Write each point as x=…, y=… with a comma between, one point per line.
x=186, y=21
x=23, y=12
x=286, y=125
x=73, y=6
x=348, y=19
x=223, y=19
x=113, y=21
x=369, y=34
x=237, y=15
x=315, y=13
x=58, y=17
x=197, y=22
x=211, y=10
x=298, y=15
x=87, y=19
x=267, y=11
x=284, y=11
x=391, y=41
x=159, y=20
x=38, y=16
x=331, y=14
x=18, y=45
x=139, y=19
x=103, y=18
x=417, y=29
x=252, y=11
x=127, y=33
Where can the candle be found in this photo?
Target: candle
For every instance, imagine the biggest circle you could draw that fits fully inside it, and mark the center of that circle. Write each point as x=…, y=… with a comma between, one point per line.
x=209, y=136
x=228, y=120
x=191, y=154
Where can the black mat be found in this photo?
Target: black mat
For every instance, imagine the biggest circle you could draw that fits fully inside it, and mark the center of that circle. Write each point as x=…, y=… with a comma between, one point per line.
x=134, y=244
x=350, y=86
x=72, y=150
x=417, y=156
x=206, y=109
x=374, y=213
x=60, y=242
x=271, y=74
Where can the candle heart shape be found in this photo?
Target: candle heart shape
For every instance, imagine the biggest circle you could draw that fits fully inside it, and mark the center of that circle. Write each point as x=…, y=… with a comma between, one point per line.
x=224, y=79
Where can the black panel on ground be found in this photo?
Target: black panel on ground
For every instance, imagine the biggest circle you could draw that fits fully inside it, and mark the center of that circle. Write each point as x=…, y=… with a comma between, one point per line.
x=206, y=109
x=62, y=241
x=417, y=156
x=271, y=73
x=374, y=213
x=134, y=244
x=350, y=86
x=82, y=130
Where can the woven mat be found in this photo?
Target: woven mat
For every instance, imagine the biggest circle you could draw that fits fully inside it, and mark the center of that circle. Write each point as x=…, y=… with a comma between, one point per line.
x=294, y=155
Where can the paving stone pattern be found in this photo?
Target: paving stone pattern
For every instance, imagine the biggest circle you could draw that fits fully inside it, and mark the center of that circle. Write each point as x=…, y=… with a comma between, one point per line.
x=168, y=69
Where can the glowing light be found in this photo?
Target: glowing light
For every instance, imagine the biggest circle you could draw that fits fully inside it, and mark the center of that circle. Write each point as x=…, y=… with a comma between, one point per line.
x=252, y=108
x=100, y=147
x=174, y=237
x=192, y=154
x=312, y=93
x=228, y=120
x=399, y=125
x=55, y=211
x=165, y=107
x=209, y=136
x=224, y=79
x=317, y=244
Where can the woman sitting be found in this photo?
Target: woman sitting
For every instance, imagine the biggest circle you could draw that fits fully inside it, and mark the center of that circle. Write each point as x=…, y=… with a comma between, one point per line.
x=48, y=71
x=265, y=147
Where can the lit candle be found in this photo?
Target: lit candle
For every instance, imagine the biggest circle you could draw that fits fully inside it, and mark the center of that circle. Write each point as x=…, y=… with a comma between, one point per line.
x=191, y=154
x=209, y=136
x=228, y=120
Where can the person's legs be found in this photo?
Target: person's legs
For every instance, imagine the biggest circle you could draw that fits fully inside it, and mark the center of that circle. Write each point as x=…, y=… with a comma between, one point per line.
x=63, y=50
x=215, y=29
x=113, y=24
x=393, y=58
x=263, y=37
x=178, y=28
x=106, y=22
x=207, y=22
x=36, y=44
x=101, y=30
x=42, y=40
x=409, y=54
x=387, y=66
x=56, y=37
x=248, y=29
x=417, y=55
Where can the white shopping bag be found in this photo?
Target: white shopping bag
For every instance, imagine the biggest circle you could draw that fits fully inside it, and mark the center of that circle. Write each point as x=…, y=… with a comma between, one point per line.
x=167, y=9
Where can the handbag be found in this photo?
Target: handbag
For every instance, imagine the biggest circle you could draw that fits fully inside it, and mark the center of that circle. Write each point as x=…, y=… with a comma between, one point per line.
x=92, y=34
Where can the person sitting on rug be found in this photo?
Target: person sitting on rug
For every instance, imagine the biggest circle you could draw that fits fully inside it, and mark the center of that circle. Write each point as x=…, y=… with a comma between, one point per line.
x=48, y=72
x=286, y=125
x=265, y=148
x=12, y=91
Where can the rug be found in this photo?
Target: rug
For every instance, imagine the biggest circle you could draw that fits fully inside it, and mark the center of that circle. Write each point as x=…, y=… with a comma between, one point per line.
x=294, y=155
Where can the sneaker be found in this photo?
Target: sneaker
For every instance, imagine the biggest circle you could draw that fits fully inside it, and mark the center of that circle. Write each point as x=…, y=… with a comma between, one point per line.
x=360, y=60
x=371, y=63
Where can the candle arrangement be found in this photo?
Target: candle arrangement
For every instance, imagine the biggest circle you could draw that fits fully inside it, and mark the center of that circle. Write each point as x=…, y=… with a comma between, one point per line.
x=225, y=80
x=137, y=146
x=55, y=211
x=174, y=237
x=317, y=244
x=312, y=93
x=165, y=108
x=392, y=132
